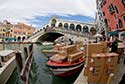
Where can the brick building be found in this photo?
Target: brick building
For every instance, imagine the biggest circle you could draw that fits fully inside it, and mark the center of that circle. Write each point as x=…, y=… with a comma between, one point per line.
x=113, y=12
x=21, y=31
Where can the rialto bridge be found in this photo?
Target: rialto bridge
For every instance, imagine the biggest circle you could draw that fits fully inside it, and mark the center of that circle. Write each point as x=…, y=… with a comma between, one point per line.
x=58, y=27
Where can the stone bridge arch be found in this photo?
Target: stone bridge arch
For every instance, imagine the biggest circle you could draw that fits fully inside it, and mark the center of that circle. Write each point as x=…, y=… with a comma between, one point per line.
x=49, y=36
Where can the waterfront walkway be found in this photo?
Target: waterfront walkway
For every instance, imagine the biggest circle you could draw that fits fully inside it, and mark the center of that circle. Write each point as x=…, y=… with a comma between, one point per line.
x=81, y=78
x=117, y=76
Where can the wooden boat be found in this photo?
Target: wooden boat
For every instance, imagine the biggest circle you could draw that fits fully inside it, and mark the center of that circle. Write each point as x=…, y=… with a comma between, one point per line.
x=7, y=65
x=67, y=63
x=65, y=68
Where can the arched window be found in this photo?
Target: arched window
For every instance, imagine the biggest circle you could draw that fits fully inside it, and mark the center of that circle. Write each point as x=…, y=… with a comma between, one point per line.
x=60, y=25
x=66, y=25
x=78, y=27
x=72, y=26
x=85, y=29
x=53, y=22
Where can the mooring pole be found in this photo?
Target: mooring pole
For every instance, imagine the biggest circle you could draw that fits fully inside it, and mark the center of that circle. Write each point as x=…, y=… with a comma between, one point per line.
x=19, y=61
x=25, y=52
x=24, y=75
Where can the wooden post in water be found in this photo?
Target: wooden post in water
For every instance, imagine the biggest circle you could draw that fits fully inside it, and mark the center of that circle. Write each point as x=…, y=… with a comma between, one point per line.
x=19, y=61
x=25, y=52
x=30, y=47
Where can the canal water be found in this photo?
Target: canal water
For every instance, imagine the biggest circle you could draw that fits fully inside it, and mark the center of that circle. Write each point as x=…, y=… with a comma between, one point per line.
x=40, y=73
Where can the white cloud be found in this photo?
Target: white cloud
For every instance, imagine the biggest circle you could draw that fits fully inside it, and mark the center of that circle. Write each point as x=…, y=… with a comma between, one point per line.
x=16, y=11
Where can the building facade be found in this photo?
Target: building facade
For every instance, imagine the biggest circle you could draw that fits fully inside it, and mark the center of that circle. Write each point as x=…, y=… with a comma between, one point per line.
x=5, y=29
x=102, y=28
x=114, y=14
x=15, y=32
x=21, y=31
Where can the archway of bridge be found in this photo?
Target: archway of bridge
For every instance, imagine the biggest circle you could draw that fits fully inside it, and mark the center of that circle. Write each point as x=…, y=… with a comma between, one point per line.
x=78, y=27
x=72, y=26
x=85, y=29
x=49, y=37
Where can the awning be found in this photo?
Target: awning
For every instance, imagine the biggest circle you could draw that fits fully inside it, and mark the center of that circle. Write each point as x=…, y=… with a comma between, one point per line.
x=123, y=34
x=10, y=38
x=113, y=33
x=28, y=36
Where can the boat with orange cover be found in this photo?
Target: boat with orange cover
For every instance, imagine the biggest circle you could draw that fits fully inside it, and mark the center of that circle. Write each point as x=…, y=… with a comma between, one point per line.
x=65, y=64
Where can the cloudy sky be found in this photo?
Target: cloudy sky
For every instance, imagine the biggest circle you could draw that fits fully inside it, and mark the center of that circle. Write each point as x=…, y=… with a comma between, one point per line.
x=38, y=12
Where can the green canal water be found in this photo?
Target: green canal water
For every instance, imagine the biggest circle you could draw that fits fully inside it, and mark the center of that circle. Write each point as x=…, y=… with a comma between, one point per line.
x=40, y=73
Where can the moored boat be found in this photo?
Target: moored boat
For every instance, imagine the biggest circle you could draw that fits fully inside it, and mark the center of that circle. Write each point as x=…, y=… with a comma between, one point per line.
x=66, y=63
x=65, y=69
x=7, y=65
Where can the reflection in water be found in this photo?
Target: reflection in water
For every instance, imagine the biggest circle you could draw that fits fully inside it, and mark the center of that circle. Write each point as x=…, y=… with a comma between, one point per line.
x=40, y=74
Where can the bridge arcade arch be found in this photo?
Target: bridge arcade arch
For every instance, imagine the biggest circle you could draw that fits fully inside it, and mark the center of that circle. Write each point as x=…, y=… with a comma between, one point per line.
x=72, y=25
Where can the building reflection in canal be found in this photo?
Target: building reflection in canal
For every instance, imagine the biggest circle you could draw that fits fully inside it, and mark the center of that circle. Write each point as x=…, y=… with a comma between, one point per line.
x=40, y=74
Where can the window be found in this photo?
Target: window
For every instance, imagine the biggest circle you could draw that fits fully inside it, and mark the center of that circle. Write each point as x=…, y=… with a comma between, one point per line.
x=4, y=30
x=120, y=23
x=115, y=17
x=104, y=13
x=111, y=9
x=117, y=27
x=124, y=18
x=104, y=2
x=116, y=9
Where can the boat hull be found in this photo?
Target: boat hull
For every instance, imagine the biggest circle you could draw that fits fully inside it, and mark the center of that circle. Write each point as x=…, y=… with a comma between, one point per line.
x=66, y=69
